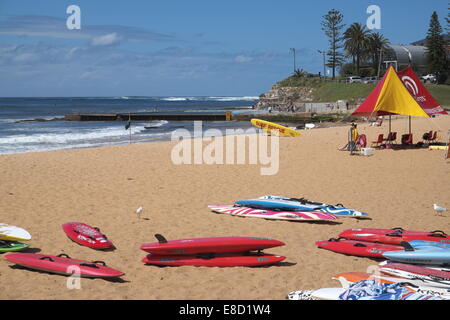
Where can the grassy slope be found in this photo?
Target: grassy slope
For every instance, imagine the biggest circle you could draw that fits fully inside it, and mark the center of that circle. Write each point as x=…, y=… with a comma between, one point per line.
x=441, y=93
x=333, y=91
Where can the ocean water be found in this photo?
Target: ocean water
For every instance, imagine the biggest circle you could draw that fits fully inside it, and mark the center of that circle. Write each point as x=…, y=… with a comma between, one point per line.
x=35, y=124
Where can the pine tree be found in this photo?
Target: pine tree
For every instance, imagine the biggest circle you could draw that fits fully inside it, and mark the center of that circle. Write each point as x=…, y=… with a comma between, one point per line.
x=332, y=25
x=448, y=20
x=437, y=55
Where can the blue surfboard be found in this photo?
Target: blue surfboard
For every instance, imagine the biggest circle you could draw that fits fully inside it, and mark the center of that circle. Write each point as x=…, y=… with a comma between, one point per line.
x=437, y=256
x=423, y=244
x=278, y=203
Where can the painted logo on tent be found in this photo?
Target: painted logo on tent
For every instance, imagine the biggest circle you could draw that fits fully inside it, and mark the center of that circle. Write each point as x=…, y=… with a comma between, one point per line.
x=411, y=85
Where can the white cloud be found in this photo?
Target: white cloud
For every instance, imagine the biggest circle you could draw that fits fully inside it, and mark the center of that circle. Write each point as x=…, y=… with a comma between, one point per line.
x=106, y=40
x=52, y=27
x=25, y=57
x=243, y=59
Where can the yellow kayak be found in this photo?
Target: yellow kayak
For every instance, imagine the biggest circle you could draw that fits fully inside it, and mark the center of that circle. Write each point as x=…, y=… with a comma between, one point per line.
x=438, y=147
x=273, y=128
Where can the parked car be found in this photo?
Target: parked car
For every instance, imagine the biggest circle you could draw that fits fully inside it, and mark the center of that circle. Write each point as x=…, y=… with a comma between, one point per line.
x=353, y=79
x=431, y=78
x=369, y=79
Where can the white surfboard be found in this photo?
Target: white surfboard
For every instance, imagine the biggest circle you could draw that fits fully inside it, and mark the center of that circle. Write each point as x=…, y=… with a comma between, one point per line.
x=13, y=233
x=328, y=293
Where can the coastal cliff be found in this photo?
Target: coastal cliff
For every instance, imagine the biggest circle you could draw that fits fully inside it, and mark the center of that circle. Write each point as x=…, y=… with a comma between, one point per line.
x=288, y=96
x=297, y=94
x=308, y=97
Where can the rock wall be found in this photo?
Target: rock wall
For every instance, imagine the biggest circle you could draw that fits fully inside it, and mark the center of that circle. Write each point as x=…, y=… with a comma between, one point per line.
x=286, y=97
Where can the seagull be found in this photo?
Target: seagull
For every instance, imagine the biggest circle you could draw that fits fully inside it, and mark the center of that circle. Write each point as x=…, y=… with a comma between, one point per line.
x=439, y=209
x=139, y=211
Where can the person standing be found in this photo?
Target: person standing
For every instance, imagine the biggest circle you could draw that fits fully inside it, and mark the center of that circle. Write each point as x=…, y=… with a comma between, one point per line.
x=352, y=137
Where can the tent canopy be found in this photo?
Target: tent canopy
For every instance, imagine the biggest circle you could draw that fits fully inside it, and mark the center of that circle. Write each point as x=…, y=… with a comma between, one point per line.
x=419, y=92
x=390, y=96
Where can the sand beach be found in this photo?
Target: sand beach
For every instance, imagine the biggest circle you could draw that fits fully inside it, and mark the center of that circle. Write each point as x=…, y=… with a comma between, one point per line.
x=104, y=186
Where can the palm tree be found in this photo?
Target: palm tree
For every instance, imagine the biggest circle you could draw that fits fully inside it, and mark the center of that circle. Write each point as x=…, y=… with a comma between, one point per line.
x=356, y=42
x=376, y=42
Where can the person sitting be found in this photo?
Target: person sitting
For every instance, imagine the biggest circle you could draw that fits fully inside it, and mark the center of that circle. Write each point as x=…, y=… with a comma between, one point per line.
x=377, y=123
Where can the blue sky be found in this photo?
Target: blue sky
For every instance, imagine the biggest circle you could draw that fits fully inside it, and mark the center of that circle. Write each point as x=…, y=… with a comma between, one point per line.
x=178, y=47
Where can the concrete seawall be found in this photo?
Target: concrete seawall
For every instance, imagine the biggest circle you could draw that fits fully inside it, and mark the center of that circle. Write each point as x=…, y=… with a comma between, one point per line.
x=148, y=116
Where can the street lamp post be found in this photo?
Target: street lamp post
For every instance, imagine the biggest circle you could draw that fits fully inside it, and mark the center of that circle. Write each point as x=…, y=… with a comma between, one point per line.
x=323, y=52
x=379, y=63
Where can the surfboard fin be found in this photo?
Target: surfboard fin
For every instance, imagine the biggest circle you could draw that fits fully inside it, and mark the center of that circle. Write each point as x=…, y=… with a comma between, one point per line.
x=160, y=238
x=407, y=246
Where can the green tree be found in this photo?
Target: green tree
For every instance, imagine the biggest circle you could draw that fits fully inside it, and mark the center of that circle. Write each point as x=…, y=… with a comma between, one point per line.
x=448, y=20
x=376, y=42
x=437, y=55
x=332, y=26
x=356, y=43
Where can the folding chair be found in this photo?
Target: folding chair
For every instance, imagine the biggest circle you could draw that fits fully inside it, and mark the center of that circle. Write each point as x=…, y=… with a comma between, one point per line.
x=433, y=138
x=407, y=139
x=379, y=141
x=394, y=137
x=427, y=136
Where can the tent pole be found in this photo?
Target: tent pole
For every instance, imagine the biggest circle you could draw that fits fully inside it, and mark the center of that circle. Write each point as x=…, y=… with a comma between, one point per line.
x=409, y=124
x=389, y=123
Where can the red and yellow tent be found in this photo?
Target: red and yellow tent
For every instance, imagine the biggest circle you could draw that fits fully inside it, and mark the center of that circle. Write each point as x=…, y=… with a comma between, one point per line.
x=419, y=92
x=390, y=96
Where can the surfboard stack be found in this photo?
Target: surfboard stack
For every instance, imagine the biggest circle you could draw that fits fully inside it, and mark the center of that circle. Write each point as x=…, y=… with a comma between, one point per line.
x=417, y=266
x=372, y=288
x=211, y=252
x=396, y=281
x=285, y=208
x=11, y=237
x=395, y=244
x=301, y=216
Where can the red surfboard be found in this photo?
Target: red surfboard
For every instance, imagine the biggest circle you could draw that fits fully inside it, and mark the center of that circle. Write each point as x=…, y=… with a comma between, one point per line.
x=217, y=260
x=208, y=245
x=394, y=236
x=64, y=265
x=415, y=270
x=357, y=248
x=86, y=235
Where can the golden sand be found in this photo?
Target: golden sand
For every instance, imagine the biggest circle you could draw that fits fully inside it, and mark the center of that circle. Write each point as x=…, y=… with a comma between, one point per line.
x=104, y=186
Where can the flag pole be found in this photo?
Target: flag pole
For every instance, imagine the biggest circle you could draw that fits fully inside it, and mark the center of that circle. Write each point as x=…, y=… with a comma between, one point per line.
x=129, y=121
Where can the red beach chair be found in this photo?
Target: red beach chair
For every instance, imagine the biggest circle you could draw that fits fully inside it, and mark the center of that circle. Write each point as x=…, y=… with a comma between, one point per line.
x=407, y=139
x=392, y=136
x=361, y=142
x=427, y=136
x=433, y=138
x=378, y=141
